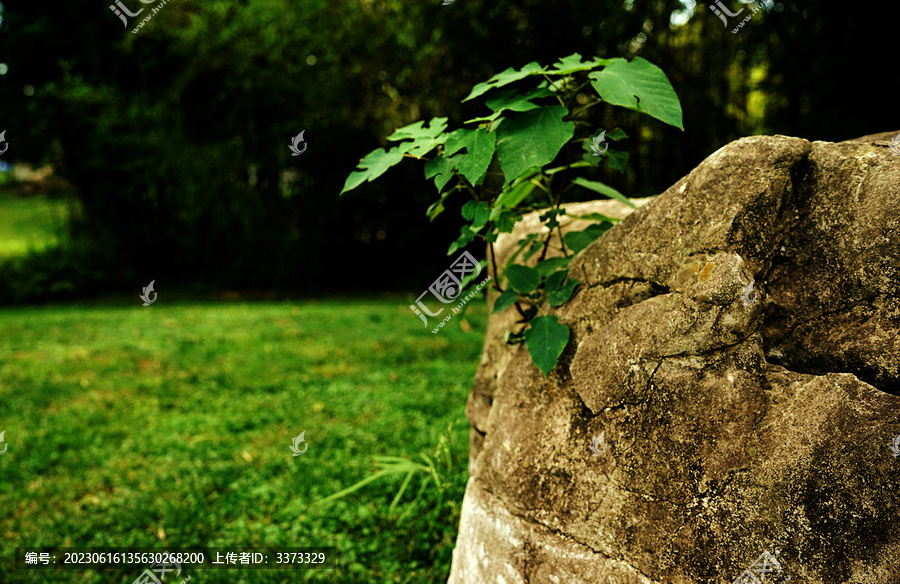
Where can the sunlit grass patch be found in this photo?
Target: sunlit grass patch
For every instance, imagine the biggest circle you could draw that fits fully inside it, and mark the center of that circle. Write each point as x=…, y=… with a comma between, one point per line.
x=171, y=425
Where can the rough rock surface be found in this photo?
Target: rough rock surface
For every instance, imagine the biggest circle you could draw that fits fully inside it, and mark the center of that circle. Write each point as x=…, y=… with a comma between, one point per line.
x=736, y=421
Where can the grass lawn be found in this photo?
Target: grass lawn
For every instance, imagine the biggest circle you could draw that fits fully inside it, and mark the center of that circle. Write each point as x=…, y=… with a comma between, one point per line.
x=170, y=425
x=32, y=223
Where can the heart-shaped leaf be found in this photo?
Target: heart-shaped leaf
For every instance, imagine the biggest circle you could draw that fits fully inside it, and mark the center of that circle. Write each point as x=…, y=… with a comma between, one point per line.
x=522, y=278
x=546, y=339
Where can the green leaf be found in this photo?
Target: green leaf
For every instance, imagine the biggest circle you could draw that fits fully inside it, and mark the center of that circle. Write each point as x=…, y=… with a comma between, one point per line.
x=476, y=211
x=437, y=207
x=506, y=220
x=489, y=118
x=578, y=240
x=520, y=245
x=616, y=135
x=603, y=189
x=505, y=78
x=468, y=210
x=532, y=140
x=516, y=193
x=641, y=86
x=595, y=217
x=555, y=280
x=479, y=145
x=505, y=300
x=373, y=165
x=547, y=266
x=573, y=63
x=512, y=100
x=546, y=340
x=466, y=236
x=424, y=139
x=616, y=159
x=419, y=130
x=549, y=218
x=559, y=289
x=441, y=167
x=482, y=214
x=535, y=246
x=522, y=278
x=563, y=293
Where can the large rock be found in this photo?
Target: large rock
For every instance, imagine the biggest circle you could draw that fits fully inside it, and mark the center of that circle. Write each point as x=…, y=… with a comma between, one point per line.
x=738, y=421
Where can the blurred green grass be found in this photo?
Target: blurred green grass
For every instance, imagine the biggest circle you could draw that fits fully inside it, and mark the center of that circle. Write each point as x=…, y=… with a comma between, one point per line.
x=171, y=425
x=30, y=223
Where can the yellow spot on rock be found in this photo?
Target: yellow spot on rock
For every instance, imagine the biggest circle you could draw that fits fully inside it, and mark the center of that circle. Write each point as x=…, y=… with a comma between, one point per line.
x=704, y=273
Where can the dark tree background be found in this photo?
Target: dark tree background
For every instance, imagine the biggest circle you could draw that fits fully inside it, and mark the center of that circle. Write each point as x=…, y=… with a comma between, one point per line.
x=176, y=138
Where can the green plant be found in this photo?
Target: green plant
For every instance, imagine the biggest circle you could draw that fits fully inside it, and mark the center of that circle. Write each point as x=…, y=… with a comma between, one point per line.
x=397, y=465
x=507, y=169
